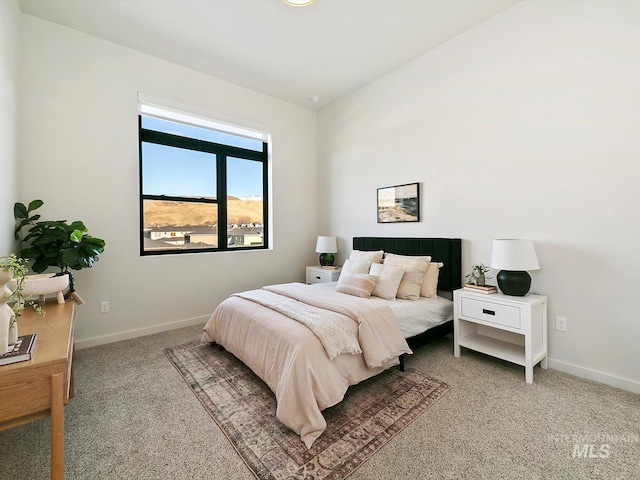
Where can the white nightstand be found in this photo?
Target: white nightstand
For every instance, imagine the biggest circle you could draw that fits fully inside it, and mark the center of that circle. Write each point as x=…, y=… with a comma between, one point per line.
x=506, y=327
x=317, y=274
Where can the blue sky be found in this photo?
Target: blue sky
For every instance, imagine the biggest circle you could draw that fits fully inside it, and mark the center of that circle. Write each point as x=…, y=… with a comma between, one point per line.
x=179, y=172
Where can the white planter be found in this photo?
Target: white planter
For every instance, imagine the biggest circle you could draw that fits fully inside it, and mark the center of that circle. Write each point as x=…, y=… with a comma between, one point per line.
x=13, y=334
x=5, y=311
x=40, y=285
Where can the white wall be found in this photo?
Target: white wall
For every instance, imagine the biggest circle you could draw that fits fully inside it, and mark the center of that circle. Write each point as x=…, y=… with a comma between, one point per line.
x=79, y=151
x=527, y=126
x=9, y=47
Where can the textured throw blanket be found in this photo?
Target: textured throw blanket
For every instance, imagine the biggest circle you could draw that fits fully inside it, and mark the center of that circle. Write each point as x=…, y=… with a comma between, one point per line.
x=331, y=328
x=379, y=336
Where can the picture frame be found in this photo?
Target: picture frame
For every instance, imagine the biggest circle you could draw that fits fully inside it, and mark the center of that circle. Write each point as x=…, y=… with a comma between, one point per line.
x=399, y=203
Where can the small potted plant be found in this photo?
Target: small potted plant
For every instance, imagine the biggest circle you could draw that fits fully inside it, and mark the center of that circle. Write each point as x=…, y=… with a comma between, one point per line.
x=477, y=275
x=14, y=270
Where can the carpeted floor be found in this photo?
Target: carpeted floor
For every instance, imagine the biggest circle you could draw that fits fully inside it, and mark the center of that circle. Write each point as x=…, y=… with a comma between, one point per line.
x=371, y=414
x=134, y=417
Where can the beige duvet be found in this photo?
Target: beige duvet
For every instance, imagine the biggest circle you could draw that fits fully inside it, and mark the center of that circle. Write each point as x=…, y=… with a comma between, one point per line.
x=291, y=359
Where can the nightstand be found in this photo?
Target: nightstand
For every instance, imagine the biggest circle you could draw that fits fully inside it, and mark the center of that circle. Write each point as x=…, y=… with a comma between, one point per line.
x=317, y=274
x=503, y=326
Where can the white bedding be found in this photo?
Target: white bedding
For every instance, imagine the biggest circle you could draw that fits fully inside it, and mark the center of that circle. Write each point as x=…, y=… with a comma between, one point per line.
x=414, y=316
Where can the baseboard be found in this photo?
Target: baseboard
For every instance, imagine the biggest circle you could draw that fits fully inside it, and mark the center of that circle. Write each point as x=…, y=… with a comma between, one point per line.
x=589, y=374
x=139, y=332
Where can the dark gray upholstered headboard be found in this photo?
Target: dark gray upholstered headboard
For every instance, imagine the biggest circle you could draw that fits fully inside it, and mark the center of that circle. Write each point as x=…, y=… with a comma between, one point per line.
x=445, y=250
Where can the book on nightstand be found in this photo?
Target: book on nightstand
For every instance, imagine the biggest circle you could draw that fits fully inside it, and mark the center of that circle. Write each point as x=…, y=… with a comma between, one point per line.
x=22, y=350
x=488, y=289
x=331, y=267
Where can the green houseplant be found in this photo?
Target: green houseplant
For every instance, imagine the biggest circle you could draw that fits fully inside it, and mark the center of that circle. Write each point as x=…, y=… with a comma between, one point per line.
x=55, y=243
x=477, y=275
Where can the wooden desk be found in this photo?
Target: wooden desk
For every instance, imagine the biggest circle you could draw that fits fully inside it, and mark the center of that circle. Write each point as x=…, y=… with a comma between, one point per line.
x=41, y=386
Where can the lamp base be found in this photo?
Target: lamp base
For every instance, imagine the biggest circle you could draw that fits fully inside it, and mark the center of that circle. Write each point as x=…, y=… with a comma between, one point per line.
x=516, y=283
x=326, y=259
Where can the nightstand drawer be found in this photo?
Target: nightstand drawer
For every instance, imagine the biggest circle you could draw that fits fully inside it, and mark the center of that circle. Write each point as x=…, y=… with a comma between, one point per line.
x=491, y=312
x=320, y=275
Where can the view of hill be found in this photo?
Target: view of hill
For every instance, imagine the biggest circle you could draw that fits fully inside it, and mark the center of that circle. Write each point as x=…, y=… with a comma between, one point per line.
x=164, y=213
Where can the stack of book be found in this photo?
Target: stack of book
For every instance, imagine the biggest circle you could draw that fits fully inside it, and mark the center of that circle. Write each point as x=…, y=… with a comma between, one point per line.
x=21, y=351
x=330, y=267
x=481, y=288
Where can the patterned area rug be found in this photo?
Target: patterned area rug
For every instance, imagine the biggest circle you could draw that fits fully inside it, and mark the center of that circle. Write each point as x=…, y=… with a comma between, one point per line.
x=244, y=407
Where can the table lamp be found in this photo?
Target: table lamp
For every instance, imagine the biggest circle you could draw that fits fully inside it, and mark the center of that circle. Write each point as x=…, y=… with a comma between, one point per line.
x=326, y=247
x=514, y=257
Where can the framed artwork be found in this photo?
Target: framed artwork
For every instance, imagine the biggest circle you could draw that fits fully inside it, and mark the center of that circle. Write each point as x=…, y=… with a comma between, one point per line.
x=400, y=203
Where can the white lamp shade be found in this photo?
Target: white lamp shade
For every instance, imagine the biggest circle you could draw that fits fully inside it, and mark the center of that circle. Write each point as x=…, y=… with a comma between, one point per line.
x=326, y=245
x=514, y=254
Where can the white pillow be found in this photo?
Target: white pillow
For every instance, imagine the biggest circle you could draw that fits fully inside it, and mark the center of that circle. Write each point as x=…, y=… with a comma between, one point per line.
x=362, y=256
x=356, y=267
x=389, y=278
x=429, y=286
x=357, y=284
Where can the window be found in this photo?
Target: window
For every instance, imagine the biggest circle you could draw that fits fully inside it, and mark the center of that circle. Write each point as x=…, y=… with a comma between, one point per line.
x=203, y=184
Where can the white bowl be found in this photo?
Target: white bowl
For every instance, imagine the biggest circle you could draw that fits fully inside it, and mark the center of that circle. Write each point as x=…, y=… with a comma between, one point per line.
x=42, y=284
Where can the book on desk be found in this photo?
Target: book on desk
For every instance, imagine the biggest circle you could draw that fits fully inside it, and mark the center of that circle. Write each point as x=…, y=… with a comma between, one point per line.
x=21, y=351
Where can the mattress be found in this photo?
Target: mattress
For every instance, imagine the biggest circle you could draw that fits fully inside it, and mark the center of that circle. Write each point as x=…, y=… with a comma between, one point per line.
x=414, y=316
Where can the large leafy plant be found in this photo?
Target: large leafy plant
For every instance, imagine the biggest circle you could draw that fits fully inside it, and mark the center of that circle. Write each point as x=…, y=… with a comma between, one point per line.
x=54, y=243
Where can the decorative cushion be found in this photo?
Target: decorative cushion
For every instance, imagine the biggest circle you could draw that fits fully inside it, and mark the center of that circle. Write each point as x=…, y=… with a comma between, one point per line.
x=357, y=284
x=409, y=288
x=429, y=286
x=389, y=278
x=415, y=269
x=362, y=256
x=405, y=260
x=354, y=266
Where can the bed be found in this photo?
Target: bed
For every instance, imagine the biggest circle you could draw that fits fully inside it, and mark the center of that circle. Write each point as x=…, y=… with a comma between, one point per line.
x=310, y=344
x=445, y=250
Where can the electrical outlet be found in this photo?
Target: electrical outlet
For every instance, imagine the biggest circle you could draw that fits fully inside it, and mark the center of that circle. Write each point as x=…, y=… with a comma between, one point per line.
x=104, y=307
x=561, y=324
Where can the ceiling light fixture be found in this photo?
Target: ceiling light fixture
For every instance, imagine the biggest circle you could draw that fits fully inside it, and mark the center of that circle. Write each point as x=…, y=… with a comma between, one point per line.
x=298, y=3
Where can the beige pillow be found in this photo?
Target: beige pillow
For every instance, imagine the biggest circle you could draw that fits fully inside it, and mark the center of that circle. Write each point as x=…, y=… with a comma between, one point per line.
x=412, y=279
x=405, y=260
x=357, y=284
x=429, y=286
x=362, y=256
x=389, y=278
x=409, y=261
x=356, y=267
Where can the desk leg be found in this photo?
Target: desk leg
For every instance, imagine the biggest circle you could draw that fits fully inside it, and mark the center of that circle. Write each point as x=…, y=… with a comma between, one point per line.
x=72, y=386
x=57, y=426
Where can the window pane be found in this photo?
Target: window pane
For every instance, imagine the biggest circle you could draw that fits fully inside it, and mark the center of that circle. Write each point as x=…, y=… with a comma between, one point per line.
x=199, y=133
x=177, y=172
x=179, y=225
x=245, y=206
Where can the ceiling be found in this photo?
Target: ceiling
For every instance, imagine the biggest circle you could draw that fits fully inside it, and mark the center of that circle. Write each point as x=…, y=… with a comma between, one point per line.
x=327, y=49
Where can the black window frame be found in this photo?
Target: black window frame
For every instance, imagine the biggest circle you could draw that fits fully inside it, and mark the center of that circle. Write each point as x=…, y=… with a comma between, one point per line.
x=222, y=152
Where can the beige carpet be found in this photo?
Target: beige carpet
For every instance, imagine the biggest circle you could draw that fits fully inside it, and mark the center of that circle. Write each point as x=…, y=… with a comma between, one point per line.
x=134, y=417
x=243, y=406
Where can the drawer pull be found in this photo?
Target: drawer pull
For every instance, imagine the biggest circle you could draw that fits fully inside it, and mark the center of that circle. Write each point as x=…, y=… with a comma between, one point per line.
x=317, y=277
x=488, y=312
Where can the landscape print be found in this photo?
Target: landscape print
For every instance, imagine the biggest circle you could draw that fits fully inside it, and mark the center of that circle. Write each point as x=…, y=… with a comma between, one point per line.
x=400, y=203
